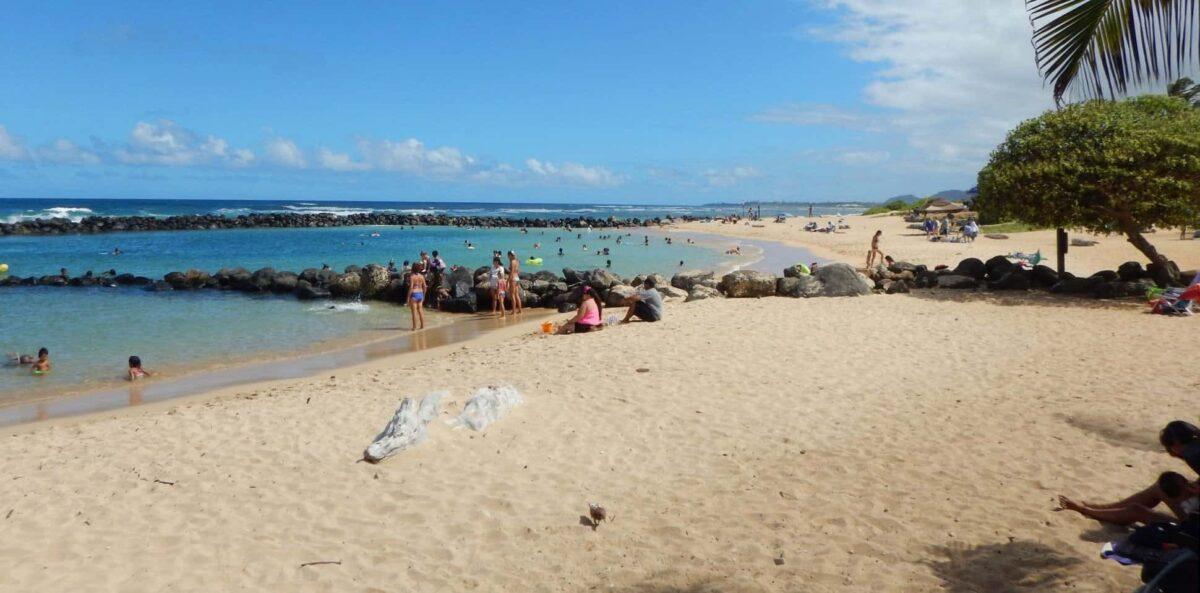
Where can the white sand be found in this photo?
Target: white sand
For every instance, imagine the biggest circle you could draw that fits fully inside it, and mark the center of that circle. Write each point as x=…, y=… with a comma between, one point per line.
x=911, y=245
x=906, y=443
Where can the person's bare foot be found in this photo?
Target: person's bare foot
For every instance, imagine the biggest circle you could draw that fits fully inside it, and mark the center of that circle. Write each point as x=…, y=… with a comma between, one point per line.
x=1066, y=504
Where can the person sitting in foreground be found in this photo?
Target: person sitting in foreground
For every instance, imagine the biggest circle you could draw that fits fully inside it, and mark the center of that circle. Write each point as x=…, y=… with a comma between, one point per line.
x=135, y=369
x=1172, y=489
x=42, y=366
x=589, y=315
x=1182, y=441
x=645, y=304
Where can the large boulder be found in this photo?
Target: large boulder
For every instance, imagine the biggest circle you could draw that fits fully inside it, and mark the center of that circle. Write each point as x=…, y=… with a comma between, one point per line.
x=459, y=282
x=796, y=271
x=306, y=291
x=899, y=267
x=1106, y=276
x=700, y=292
x=571, y=276
x=798, y=286
x=373, y=280
x=896, y=286
x=971, y=267
x=996, y=267
x=615, y=297
x=1131, y=271
x=346, y=285
x=1044, y=276
x=284, y=282
x=669, y=292
x=1119, y=289
x=1016, y=279
x=747, y=284
x=545, y=275
x=177, y=280
x=1073, y=285
x=600, y=279
x=956, y=281
x=689, y=278
x=1164, y=275
x=232, y=277
x=842, y=280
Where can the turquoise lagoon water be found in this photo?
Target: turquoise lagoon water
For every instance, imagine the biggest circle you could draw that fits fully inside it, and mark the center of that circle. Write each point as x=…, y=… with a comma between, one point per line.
x=92, y=331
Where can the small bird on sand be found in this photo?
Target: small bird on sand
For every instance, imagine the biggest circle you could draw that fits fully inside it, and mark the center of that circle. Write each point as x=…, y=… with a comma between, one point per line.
x=597, y=513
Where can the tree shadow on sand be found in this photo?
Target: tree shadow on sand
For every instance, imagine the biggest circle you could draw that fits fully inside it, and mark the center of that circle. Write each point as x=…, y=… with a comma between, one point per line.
x=1031, y=298
x=1018, y=566
x=682, y=583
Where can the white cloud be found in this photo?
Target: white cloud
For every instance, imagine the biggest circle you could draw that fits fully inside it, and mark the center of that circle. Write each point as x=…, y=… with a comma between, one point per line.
x=411, y=156
x=805, y=114
x=572, y=173
x=729, y=177
x=856, y=158
x=169, y=144
x=335, y=161
x=953, y=77
x=284, y=152
x=64, y=151
x=11, y=147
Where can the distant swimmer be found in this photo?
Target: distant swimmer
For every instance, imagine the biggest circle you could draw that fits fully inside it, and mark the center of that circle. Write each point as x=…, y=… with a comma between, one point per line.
x=116, y=251
x=608, y=263
x=136, y=371
x=560, y=251
x=681, y=263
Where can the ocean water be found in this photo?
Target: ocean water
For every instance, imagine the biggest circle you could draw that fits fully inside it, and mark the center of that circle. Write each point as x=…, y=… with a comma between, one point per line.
x=18, y=209
x=92, y=331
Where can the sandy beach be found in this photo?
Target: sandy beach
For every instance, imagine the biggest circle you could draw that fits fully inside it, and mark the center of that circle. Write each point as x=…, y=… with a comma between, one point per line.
x=905, y=244
x=899, y=443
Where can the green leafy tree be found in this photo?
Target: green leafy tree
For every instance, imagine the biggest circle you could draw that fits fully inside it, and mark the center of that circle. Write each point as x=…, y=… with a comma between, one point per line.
x=1102, y=48
x=1103, y=166
x=1185, y=89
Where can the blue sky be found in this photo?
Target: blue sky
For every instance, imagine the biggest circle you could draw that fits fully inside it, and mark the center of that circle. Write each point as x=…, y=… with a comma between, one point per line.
x=663, y=102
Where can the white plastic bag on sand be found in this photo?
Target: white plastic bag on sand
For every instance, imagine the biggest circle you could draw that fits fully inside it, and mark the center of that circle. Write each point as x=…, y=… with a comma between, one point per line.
x=486, y=406
x=406, y=429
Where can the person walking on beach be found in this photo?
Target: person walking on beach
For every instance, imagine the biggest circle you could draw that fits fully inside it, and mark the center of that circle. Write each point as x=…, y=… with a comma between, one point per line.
x=514, y=277
x=416, y=295
x=498, y=284
x=875, y=250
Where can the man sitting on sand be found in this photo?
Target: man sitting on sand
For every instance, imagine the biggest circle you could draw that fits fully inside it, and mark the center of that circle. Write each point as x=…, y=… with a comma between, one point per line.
x=1172, y=489
x=645, y=304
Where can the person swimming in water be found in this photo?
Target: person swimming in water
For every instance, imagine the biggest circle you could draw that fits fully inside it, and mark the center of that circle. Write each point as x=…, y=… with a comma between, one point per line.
x=42, y=366
x=135, y=369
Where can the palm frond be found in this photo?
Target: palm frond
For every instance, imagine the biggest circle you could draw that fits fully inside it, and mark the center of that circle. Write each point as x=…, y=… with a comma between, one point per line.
x=1100, y=48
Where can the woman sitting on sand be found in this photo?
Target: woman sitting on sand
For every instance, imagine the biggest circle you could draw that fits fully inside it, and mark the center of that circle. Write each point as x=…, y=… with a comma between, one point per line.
x=1172, y=489
x=589, y=315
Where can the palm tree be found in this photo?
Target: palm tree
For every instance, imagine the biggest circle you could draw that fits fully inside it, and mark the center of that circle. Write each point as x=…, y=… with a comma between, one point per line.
x=1185, y=89
x=1100, y=48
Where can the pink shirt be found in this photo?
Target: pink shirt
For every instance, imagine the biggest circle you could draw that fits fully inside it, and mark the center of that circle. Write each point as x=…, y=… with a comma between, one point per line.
x=591, y=315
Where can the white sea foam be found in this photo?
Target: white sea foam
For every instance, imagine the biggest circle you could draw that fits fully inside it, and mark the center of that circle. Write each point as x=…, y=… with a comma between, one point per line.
x=72, y=213
x=340, y=307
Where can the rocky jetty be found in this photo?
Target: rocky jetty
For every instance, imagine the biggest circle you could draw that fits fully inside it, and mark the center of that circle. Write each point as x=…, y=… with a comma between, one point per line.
x=1130, y=279
x=208, y=222
x=462, y=290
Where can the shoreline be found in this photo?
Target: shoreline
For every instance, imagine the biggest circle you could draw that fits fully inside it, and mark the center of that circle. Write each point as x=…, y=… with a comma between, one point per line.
x=212, y=383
